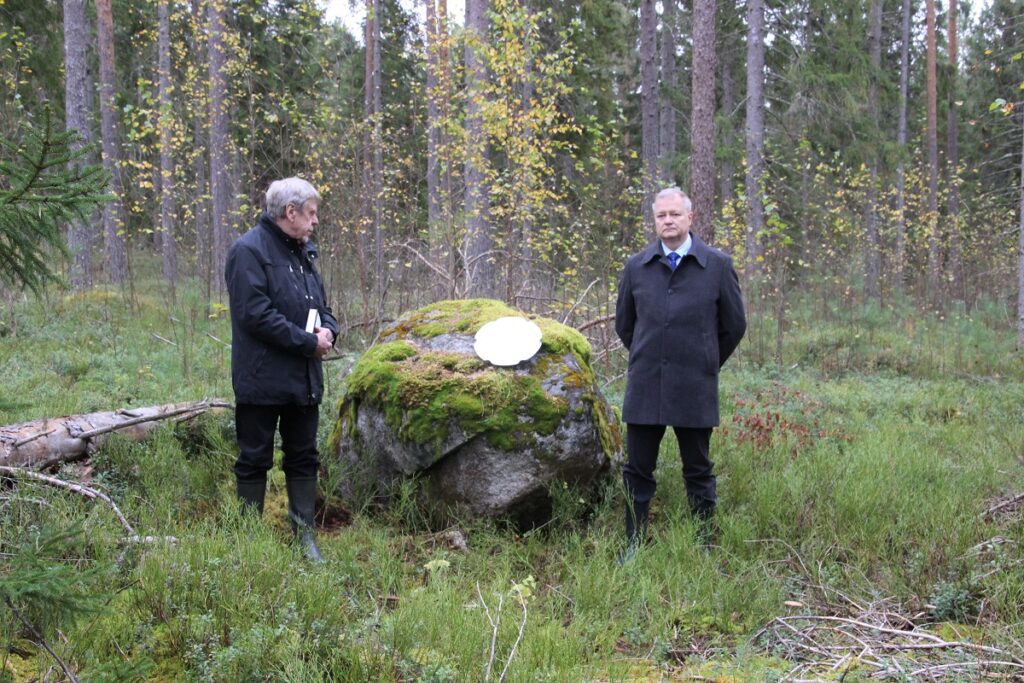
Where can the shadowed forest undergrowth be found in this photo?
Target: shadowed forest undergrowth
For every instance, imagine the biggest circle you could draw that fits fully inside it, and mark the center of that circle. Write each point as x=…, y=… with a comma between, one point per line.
x=868, y=525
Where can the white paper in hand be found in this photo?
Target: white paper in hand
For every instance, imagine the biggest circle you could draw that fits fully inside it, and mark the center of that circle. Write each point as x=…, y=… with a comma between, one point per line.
x=312, y=320
x=507, y=341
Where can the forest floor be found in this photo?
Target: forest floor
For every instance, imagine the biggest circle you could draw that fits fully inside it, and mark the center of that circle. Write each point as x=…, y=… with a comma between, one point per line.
x=868, y=526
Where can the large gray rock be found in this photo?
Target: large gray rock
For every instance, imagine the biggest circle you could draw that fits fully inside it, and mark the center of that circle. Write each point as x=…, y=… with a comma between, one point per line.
x=490, y=440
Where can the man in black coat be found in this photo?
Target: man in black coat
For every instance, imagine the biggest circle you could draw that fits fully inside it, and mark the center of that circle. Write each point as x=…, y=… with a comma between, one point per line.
x=680, y=315
x=281, y=329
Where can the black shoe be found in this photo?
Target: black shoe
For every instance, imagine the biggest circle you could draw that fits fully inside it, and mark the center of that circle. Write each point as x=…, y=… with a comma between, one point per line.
x=301, y=504
x=251, y=493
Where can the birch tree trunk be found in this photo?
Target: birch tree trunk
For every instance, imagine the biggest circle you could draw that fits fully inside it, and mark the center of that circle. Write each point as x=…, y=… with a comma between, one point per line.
x=755, y=133
x=480, y=267
x=113, y=223
x=702, y=138
x=77, y=117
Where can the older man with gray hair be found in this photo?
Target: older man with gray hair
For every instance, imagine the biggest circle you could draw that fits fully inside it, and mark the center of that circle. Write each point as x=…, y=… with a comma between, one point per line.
x=281, y=329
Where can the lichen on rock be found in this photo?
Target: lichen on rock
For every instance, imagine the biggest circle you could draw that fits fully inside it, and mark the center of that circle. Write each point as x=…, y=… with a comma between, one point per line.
x=420, y=403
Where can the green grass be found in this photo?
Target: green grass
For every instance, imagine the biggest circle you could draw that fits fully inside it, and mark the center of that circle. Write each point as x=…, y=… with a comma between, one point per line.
x=840, y=483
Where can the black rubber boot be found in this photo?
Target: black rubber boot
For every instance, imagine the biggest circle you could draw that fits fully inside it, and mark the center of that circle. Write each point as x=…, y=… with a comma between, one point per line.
x=301, y=504
x=636, y=529
x=250, y=493
x=703, y=511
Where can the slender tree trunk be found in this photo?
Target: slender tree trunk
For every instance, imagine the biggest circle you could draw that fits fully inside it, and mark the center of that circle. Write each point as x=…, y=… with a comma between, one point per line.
x=77, y=117
x=932, y=142
x=200, y=163
x=113, y=224
x=167, y=209
x=220, y=164
x=899, y=255
x=480, y=267
x=727, y=174
x=953, y=159
x=872, y=247
x=669, y=85
x=378, y=163
x=702, y=138
x=755, y=133
x=649, y=103
x=433, y=44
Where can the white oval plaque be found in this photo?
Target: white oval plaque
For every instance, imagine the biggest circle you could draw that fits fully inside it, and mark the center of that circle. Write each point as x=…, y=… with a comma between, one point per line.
x=507, y=341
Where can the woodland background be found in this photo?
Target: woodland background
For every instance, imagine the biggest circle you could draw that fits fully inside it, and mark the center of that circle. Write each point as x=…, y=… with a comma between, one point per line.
x=853, y=151
x=861, y=162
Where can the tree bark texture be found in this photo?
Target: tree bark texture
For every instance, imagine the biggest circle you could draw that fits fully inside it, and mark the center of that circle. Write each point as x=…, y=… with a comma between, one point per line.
x=168, y=246
x=113, y=223
x=872, y=246
x=668, y=87
x=702, y=138
x=77, y=117
x=932, y=144
x=649, y=103
x=220, y=187
x=480, y=267
x=41, y=444
x=755, y=133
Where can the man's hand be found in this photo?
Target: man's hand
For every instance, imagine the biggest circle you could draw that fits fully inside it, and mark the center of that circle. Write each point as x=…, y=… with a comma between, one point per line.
x=324, y=341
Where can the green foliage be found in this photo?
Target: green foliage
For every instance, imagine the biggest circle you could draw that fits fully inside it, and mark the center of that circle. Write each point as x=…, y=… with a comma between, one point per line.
x=43, y=184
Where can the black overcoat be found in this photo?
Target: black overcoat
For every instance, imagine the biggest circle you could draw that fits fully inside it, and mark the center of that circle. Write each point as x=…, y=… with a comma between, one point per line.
x=679, y=328
x=272, y=283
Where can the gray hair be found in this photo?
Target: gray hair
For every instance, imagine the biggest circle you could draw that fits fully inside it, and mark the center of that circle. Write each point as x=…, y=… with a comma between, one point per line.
x=287, y=191
x=674, y=192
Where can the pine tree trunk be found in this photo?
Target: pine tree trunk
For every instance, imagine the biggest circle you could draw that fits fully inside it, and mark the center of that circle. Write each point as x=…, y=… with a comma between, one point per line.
x=932, y=143
x=480, y=267
x=77, y=117
x=649, y=103
x=872, y=248
x=113, y=224
x=755, y=133
x=953, y=160
x=167, y=210
x=669, y=85
x=899, y=255
x=702, y=138
x=219, y=153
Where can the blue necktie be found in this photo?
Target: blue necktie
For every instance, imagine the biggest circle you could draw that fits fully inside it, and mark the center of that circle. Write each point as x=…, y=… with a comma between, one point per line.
x=673, y=259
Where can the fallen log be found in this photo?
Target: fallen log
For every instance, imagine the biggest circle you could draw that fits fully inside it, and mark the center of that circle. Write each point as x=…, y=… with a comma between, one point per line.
x=43, y=444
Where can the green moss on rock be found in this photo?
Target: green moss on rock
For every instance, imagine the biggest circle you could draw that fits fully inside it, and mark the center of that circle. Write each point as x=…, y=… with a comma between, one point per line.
x=424, y=394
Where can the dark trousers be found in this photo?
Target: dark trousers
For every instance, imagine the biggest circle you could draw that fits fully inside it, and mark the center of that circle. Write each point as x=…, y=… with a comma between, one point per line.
x=643, y=443
x=255, y=426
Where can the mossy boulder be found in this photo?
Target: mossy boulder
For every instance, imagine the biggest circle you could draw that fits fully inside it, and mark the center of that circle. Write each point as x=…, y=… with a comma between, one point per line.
x=492, y=440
